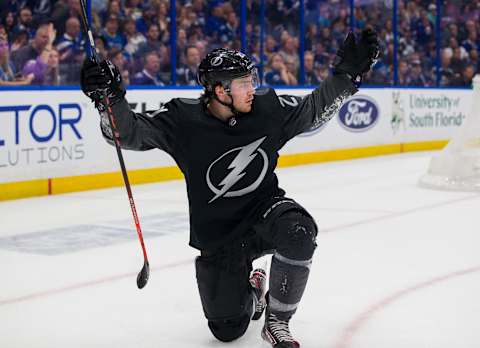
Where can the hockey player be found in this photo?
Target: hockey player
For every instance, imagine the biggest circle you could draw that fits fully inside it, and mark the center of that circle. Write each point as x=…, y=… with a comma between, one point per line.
x=226, y=144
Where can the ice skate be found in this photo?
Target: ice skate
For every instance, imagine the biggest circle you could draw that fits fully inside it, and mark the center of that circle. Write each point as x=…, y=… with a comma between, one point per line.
x=277, y=333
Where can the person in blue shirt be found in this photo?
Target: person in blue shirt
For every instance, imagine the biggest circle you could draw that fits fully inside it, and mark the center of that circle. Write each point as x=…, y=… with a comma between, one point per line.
x=150, y=73
x=277, y=74
x=71, y=43
x=111, y=34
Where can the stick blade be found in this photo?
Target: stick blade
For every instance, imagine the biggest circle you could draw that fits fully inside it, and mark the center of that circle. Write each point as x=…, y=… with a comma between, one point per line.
x=143, y=276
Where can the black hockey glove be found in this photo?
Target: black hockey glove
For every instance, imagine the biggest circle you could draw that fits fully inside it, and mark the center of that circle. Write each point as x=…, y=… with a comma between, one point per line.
x=96, y=79
x=356, y=58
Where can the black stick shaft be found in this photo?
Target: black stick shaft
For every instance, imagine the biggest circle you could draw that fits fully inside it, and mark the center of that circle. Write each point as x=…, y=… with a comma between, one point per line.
x=143, y=276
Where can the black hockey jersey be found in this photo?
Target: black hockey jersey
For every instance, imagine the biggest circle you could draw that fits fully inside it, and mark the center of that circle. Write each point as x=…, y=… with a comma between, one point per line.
x=228, y=166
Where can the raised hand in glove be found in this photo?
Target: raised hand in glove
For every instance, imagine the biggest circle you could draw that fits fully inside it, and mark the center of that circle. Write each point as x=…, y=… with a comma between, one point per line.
x=98, y=79
x=356, y=58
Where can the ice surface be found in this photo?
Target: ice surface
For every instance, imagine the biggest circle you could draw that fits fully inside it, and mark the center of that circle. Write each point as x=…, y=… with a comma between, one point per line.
x=397, y=266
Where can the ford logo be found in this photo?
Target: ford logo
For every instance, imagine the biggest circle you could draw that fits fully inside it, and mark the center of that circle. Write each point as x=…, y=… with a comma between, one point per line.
x=358, y=114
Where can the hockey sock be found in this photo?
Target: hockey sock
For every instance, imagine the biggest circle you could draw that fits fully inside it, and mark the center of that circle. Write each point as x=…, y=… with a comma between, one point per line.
x=288, y=279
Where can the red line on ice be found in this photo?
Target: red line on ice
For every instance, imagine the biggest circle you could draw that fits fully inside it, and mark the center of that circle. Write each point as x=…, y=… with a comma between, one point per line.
x=51, y=292
x=359, y=322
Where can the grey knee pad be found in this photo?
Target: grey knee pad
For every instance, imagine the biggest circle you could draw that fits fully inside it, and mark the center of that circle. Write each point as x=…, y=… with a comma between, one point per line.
x=295, y=235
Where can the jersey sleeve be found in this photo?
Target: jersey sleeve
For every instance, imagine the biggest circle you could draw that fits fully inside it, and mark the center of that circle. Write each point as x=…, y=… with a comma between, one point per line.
x=142, y=131
x=317, y=108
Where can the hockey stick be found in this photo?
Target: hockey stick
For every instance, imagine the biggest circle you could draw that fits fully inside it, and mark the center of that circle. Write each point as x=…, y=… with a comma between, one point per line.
x=144, y=274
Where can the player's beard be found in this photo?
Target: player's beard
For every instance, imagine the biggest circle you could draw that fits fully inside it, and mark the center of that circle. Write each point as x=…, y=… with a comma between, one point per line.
x=245, y=107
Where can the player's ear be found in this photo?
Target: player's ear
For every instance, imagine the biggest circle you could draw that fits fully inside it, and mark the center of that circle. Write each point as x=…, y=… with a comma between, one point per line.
x=219, y=90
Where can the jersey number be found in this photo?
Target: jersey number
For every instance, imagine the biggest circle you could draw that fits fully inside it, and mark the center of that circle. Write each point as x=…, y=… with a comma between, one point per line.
x=288, y=100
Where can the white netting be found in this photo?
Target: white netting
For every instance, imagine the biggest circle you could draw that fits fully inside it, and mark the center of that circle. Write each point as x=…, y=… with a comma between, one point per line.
x=457, y=166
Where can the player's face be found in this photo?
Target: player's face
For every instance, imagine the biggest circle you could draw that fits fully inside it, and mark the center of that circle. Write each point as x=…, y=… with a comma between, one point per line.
x=242, y=91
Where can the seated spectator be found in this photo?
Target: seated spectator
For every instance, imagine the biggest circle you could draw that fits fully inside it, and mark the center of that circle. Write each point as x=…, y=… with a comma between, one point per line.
x=62, y=11
x=271, y=46
x=321, y=55
x=71, y=42
x=458, y=60
x=214, y=21
x=187, y=73
x=465, y=77
x=289, y=52
x=8, y=76
x=9, y=21
x=165, y=65
x=277, y=74
x=198, y=7
x=452, y=45
x=467, y=74
x=152, y=43
x=189, y=18
x=71, y=49
x=45, y=68
x=182, y=44
x=150, y=73
x=195, y=34
x=118, y=59
x=449, y=32
x=133, y=9
x=311, y=78
x=292, y=71
x=202, y=47
x=406, y=45
x=447, y=75
x=403, y=72
x=111, y=34
x=148, y=17
x=326, y=38
x=25, y=22
x=99, y=6
x=162, y=18
x=134, y=38
x=229, y=30
x=44, y=36
x=416, y=77
x=471, y=42
x=473, y=58
x=19, y=40
x=311, y=35
x=424, y=30
x=113, y=10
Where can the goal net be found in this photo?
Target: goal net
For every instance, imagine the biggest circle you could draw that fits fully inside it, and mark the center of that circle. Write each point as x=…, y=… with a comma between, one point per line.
x=457, y=166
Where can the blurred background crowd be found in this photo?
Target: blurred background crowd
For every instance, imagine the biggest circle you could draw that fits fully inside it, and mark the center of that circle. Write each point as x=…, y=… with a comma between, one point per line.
x=41, y=41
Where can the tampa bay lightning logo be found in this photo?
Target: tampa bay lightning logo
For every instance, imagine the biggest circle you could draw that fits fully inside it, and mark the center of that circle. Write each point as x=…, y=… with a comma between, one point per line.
x=245, y=155
x=216, y=61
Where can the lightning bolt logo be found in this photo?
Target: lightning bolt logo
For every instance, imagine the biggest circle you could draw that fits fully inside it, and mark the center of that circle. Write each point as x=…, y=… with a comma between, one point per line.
x=245, y=156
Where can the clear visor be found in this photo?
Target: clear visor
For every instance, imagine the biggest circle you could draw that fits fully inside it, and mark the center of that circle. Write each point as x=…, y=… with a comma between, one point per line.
x=246, y=83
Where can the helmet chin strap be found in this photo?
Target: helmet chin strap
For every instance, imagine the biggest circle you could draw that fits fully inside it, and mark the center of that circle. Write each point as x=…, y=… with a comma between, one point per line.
x=229, y=105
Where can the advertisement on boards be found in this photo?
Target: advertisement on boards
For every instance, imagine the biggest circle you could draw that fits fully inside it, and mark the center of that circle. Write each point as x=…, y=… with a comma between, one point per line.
x=428, y=114
x=55, y=133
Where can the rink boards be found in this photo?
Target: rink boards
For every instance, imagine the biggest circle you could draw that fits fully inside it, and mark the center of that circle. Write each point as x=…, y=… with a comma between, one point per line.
x=50, y=140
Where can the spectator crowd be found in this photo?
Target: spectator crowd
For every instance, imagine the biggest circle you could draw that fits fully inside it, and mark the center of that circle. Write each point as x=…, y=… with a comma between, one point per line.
x=41, y=41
